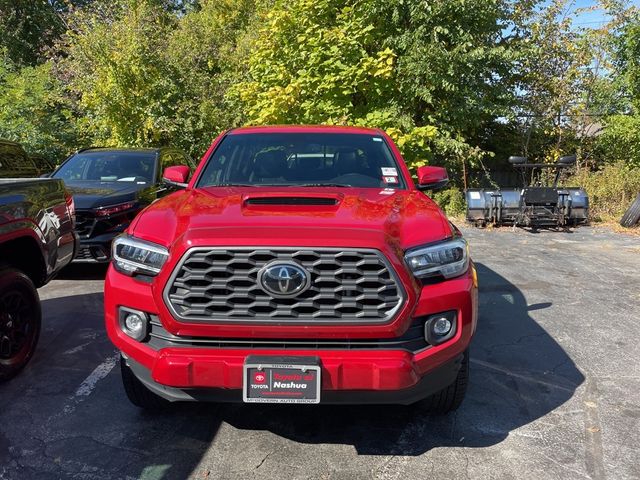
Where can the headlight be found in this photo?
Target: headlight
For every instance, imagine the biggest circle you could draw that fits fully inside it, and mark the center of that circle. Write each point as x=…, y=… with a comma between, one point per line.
x=448, y=259
x=132, y=255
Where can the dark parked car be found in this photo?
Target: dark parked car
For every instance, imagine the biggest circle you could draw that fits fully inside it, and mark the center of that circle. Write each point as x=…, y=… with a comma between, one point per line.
x=109, y=187
x=36, y=241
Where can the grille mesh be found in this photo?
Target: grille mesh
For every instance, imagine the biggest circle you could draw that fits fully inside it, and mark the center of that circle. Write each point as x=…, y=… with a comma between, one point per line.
x=84, y=224
x=346, y=286
x=84, y=253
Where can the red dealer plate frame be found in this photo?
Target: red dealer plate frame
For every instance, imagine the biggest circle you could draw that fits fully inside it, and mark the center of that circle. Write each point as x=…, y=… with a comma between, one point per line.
x=280, y=380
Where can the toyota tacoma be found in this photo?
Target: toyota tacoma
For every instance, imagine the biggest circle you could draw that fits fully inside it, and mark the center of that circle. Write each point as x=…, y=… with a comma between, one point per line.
x=296, y=265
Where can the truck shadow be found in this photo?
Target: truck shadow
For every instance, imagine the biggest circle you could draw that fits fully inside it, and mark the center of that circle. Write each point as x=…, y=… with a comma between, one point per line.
x=69, y=405
x=519, y=373
x=84, y=271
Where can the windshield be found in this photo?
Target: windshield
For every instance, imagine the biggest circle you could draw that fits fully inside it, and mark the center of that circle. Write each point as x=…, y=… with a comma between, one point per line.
x=302, y=159
x=109, y=166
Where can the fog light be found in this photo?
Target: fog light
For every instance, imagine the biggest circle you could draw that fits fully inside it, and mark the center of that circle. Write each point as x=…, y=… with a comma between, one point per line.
x=133, y=323
x=441, y=326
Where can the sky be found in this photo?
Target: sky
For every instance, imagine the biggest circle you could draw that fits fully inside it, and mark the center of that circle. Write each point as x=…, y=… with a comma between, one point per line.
x=592, y=18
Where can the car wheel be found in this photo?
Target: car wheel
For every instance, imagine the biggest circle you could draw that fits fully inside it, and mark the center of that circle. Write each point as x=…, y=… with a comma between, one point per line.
x=632, y=215
x=449, y=399
x=20, y=321
x=137, y=393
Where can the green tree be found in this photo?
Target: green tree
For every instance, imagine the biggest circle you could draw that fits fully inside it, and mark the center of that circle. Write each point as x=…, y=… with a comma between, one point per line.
x=34, y=111
x=430, y=74
x=116, y=67
x=205, y=54
x=144, y=75
x=27, y=27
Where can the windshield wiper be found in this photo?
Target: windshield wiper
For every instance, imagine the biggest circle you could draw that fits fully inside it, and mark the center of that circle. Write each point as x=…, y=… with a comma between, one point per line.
x=230, y=184
x=346, y=185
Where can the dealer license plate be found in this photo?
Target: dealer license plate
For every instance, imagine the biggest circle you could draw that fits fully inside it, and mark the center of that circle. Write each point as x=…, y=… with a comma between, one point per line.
x=281, y=380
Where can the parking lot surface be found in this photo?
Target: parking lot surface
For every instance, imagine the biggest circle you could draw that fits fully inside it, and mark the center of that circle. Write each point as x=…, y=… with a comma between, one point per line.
x=554, y=391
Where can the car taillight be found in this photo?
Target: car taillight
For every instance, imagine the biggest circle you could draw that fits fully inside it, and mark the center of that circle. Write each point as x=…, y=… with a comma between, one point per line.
x=106, y=211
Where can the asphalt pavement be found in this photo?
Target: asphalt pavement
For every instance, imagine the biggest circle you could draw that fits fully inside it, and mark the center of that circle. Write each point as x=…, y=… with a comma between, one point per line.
x=554, y=391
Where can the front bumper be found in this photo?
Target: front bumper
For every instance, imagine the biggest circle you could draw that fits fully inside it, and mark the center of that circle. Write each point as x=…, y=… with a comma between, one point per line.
x=96, y=249
x=97, y=234
x=387, y=375
x=430, y=383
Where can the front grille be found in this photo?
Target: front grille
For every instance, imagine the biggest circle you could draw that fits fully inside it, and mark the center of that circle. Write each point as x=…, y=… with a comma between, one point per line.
x=93, y=253
x=413, y=341
x=84, y=253
x=84, y=224
x=347, y=286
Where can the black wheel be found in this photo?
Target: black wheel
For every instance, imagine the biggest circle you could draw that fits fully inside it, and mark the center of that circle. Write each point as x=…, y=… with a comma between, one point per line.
x=632, y=215
x=449, y=399
x=20, y=321
x=137, y=393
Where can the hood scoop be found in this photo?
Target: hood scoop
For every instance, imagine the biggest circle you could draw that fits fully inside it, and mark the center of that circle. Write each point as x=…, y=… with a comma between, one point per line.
x=281, y=199
x=294, y=200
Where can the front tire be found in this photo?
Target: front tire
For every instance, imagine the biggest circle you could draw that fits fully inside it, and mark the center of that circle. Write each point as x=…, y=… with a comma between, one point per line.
x=20, y=321
x=138, y=393
x=449, y=399
x=632, y=215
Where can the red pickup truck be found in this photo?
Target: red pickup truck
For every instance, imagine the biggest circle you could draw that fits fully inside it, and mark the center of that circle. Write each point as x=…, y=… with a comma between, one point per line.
x=297, y=265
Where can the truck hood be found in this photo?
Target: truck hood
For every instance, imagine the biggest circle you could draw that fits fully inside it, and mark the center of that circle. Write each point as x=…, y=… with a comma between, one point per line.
x=402, y=218
x=89, y=195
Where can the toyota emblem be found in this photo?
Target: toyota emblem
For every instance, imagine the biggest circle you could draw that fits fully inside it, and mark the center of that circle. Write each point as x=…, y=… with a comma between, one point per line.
x=284, y=279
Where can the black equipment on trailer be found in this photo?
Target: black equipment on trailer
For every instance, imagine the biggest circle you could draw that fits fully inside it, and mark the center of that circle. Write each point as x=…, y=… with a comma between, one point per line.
x=533, y=205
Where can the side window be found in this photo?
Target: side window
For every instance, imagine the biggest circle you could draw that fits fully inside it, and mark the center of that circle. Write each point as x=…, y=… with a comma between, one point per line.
x=13, y=157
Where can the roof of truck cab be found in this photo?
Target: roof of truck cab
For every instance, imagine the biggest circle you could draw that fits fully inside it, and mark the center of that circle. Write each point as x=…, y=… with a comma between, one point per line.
x=305, y=129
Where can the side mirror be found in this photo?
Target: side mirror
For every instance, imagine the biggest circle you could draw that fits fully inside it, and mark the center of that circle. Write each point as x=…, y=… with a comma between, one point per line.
x=432, y=178
x=177, y=176
x=517, y=160
x=567, y=160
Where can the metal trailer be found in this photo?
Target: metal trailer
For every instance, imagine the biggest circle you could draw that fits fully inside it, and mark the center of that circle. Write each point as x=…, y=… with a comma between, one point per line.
x=532, y=205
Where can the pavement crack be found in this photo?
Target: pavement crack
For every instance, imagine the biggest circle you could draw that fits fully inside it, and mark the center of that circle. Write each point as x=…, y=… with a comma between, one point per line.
x=263, y=460
x=593, y=432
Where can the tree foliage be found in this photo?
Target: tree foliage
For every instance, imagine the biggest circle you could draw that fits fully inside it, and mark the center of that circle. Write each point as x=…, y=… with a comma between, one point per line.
x=428, y=73
x=455, y=82
x=143, y=76
x=33, y=110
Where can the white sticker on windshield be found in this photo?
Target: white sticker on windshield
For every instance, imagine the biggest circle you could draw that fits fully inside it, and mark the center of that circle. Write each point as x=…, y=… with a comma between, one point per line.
x=390, y=179
x=377, y=139
x=474, y=195
x=391, y=171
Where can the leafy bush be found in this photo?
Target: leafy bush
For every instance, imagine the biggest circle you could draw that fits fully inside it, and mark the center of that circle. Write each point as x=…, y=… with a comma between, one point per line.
x=620, y=140
x=34, y=111
x=451, y=201
x=611, y=189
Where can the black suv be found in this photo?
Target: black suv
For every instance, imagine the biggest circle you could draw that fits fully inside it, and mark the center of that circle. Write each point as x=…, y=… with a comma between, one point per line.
x=109, y=187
